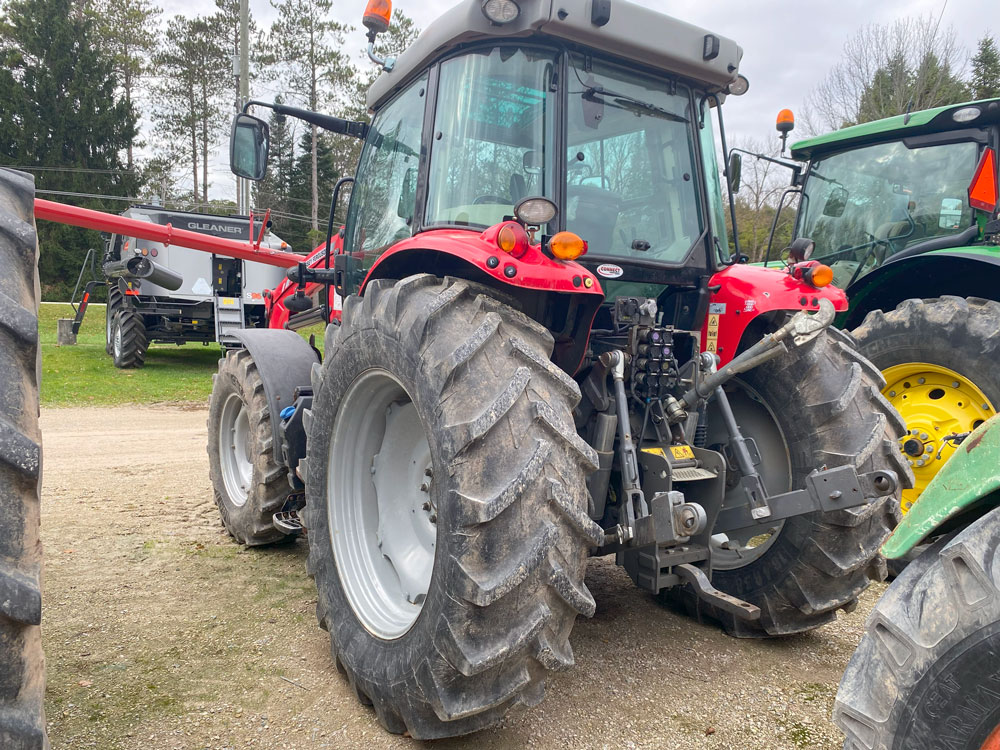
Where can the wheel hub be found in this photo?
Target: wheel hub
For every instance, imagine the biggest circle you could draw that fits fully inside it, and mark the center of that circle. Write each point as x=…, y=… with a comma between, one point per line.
x=234, y=450
x=380, y=504
x=935, y=402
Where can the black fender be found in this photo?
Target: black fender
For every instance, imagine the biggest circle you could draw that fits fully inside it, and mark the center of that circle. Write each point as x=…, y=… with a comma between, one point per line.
x=962, y=272
x=284, y=360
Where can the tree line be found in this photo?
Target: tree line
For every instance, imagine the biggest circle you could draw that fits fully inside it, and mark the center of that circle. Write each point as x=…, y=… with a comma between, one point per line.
x=885, y=70
x=87, y=86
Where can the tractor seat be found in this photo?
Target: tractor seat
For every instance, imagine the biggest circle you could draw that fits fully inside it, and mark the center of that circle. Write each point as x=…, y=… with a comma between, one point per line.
x=592, y=213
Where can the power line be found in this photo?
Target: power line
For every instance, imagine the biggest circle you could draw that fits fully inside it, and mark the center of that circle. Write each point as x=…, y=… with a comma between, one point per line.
x=89, y=195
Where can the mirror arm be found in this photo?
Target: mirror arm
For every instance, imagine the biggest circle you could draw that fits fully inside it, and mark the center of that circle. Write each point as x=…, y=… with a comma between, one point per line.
x=353, y=128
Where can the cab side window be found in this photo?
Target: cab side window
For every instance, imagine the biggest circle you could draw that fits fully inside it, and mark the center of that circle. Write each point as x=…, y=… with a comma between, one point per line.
x=384, y=195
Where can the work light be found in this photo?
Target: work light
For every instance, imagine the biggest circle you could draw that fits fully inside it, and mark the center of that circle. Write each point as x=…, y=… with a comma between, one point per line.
x=501, y=11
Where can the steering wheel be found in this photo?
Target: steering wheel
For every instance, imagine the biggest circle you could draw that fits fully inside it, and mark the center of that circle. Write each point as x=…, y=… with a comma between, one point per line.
x=491, y=199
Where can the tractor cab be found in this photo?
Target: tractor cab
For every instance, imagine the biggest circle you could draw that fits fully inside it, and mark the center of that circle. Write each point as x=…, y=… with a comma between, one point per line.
x=575, y=120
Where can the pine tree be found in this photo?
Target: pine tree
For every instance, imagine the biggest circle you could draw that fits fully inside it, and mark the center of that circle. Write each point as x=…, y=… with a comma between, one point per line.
x=194, y=66
x=304, y=44
x=130, y=30
x=61, y=107
x=301, y=182
x=985, y=83
x=274, y=191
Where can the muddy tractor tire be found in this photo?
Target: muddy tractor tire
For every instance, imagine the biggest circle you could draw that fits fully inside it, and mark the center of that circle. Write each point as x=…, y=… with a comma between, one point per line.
x=446, y=505
x=128, y=339
x=248, y=484
x=938, y=359
x=818, y=405
x=22, y=666
x=925, y=673
x=114, y=304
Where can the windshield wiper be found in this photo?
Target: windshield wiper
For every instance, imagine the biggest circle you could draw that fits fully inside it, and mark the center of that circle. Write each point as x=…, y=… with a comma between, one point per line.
x=631, y=104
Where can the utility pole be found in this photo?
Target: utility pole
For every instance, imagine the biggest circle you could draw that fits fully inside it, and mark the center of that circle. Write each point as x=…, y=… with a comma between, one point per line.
x=242, y=185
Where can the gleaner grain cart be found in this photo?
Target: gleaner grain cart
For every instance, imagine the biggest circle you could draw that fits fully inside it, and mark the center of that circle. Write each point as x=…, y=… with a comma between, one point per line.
x=904, y=210
x=544, y=355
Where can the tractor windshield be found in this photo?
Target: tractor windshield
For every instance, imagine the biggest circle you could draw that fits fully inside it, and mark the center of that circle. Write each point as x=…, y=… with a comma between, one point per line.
x=862, y=206
x=630, y=186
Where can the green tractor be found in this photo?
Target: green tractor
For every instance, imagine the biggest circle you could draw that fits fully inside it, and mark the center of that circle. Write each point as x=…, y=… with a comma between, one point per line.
x=927, y=671
x=904, y=212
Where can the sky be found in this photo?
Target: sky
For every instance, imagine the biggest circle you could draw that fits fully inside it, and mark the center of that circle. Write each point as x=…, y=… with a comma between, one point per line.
x=787, y=47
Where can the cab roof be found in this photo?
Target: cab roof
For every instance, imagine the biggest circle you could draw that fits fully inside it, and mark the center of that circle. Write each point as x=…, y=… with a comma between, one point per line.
x=633, y=33
x=936, y=120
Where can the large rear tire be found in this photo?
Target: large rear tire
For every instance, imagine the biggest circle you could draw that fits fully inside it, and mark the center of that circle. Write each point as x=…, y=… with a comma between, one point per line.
x=446, y=505
x=819, y=405
x=248, y=484
x=22, y=665
x=938, y=358
x=927, y=671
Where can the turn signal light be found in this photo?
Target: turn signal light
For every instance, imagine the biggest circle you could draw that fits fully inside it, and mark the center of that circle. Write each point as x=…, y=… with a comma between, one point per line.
x=567, y=246
x=377, y=15
x=513, y=239
x=818, y=275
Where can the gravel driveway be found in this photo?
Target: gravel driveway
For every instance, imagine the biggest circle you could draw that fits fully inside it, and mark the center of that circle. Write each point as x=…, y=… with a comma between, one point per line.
x=162, y=633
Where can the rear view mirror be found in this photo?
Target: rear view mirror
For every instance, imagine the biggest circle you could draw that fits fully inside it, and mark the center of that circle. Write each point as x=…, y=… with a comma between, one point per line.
x=248, y=147
x=836, y=203
x=735, y=170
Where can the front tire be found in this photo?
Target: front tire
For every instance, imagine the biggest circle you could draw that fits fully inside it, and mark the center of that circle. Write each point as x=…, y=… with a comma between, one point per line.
x=926, y=671
x=248, y=484
x=476, y=627
x=818, y=405
x=22, y=665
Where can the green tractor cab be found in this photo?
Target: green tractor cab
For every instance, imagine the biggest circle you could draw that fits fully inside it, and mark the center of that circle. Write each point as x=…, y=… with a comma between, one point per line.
x=904, y=211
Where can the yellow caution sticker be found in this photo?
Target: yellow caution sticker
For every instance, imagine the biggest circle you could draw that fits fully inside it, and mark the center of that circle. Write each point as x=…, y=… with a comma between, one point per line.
x=679, y=452
x=712, y=343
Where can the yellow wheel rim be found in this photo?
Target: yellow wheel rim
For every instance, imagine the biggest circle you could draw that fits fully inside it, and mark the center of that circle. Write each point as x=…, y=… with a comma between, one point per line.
x=935, y=402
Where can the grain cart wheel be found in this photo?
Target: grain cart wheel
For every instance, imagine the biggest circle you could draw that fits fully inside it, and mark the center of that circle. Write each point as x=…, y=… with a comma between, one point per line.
x=128, y=339
x=938, y=359
x=248, y=484
x=114, y=303
x=926, y=671
x=446, y=505
x=818, y=405
x=22, y=666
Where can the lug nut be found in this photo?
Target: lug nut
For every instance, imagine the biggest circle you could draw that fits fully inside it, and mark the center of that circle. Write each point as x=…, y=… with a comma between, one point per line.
x=428, y=472
x=433, y=518
x=425, y=506
x=423, y=487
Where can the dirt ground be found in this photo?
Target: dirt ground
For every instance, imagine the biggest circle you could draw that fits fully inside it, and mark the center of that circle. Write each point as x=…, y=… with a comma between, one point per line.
x=162, y=633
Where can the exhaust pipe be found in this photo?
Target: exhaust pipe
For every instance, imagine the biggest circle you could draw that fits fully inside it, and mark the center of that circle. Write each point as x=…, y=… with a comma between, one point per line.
x=140, y=267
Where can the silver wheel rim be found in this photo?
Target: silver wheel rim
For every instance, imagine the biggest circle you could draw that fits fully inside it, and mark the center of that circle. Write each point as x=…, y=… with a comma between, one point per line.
x=118, y=340
x=107, y=323
x=234, y=450
x=741, y=547
x=382, y=517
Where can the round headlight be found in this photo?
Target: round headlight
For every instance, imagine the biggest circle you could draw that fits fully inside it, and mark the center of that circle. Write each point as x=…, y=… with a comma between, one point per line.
x=966, y=114
x=501, y=11
x=740, y=86
x=535, y=211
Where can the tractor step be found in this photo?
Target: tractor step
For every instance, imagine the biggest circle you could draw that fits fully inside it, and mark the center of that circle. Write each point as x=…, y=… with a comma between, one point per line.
x=288, y=522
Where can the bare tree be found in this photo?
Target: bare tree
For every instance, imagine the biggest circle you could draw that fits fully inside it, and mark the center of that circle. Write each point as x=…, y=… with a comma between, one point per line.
x=762, y=183
x=886, y=69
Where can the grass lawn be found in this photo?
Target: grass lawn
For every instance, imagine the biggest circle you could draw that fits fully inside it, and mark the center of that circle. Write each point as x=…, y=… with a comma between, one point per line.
x=83, y=375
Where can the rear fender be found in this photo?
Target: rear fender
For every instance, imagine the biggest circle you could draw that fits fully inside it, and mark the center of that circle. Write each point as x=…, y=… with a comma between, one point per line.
x=562, y=296
x=742, y=293
x=971, y=475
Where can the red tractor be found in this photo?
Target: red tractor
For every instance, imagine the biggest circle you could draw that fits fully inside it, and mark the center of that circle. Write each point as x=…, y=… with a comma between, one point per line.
x=544, y=354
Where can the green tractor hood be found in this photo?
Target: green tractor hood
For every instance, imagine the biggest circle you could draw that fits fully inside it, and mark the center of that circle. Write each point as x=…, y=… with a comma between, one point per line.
x=973, y=472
